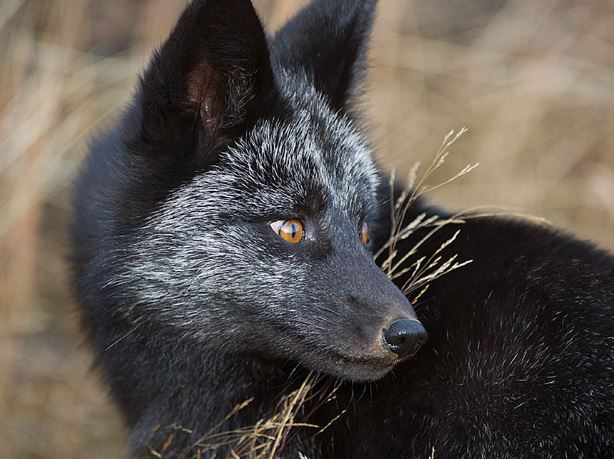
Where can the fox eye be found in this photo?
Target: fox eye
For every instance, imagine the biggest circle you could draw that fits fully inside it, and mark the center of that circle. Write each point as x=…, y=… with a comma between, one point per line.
x=292, y=231
x=365, y=234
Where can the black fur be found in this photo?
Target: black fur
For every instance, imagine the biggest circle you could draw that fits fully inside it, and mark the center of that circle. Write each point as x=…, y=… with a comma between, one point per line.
x=519, y=363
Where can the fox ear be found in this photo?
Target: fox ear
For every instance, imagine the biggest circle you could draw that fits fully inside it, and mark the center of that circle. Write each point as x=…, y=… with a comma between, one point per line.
x=328, y=41
x=204, y=81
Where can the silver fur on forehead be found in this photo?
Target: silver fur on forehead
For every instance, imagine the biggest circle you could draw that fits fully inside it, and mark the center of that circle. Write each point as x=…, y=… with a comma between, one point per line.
x=339, y=161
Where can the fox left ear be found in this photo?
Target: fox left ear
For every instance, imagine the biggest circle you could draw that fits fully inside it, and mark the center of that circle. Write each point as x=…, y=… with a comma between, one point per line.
x=204, y=84
x=328, y=41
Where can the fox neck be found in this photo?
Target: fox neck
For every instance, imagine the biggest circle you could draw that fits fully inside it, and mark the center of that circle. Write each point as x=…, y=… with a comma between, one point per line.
x=190, y=393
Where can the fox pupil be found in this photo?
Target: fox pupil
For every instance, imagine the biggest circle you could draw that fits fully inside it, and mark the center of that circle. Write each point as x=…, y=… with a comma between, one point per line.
x=291, y=231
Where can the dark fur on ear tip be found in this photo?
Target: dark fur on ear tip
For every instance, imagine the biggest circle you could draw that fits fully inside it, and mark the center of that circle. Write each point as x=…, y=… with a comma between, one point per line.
x=205, y=78
x=328, y=42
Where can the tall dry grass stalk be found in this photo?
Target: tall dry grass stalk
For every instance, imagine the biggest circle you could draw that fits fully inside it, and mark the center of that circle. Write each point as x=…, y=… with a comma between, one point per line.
x=421, y=268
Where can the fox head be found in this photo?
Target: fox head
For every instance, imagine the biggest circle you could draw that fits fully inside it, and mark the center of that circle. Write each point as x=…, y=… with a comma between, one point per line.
x=233, y=204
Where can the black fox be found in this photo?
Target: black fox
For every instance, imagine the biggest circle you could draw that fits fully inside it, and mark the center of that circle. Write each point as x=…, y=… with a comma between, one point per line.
x=224, y=233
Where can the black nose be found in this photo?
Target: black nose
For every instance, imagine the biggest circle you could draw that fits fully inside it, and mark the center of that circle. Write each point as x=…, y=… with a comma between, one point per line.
x=404, y=337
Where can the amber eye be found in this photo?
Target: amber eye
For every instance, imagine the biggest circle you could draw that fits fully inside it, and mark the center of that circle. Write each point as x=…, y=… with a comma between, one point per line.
x=365, y=234
x=289, y=230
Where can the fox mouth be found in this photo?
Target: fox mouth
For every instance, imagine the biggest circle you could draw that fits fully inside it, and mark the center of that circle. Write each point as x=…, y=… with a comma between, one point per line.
x=375, y=360
x=362, y=368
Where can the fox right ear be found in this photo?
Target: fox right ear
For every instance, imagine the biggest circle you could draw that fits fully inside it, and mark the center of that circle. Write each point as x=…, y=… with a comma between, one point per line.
x=327, y=41
x=202, y=84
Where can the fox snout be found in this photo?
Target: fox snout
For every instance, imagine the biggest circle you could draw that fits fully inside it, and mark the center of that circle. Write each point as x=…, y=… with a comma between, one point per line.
x=379, y=327
x=371, y=343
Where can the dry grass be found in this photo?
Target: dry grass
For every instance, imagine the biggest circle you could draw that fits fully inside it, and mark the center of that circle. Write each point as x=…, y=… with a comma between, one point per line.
x=268, y=437
x=533, y=81
x=421, y=268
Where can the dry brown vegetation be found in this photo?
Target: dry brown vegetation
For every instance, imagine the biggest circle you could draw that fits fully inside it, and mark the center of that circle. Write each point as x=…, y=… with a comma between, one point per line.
x=532, y=80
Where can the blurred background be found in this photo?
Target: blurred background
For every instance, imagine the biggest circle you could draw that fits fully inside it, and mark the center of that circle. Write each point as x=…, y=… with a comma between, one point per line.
x=532, y=80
